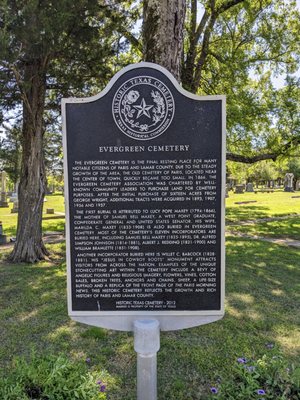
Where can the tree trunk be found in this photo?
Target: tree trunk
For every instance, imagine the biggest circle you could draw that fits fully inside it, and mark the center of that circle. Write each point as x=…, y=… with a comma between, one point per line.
x=163, y=33
x=29, y=245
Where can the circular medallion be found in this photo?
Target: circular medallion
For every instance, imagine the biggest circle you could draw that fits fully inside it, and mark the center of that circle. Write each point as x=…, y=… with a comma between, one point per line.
x=143, y=108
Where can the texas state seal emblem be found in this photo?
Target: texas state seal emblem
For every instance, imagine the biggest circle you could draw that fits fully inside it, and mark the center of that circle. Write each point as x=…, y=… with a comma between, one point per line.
x=143, y=108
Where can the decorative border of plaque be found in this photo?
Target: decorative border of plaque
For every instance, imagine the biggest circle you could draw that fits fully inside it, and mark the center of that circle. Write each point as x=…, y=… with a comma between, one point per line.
x=123, y=320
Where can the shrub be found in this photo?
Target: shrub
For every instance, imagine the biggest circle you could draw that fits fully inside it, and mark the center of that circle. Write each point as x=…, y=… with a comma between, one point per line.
x=51, y=378
x=267, y=378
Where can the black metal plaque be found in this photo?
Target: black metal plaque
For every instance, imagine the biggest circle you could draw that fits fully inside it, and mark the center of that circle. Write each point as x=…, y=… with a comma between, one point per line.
x=144, y=172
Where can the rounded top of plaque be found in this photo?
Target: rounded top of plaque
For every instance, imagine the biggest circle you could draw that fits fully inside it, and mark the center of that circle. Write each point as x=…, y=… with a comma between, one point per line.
x=137, y=66
x=142, y=103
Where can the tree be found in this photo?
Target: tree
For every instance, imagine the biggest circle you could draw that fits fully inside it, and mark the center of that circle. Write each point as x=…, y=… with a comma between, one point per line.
x=263, y=171
x=10, y=153
x=163, y=26
x=230, y=47
x=48, y=46
x=293, y=166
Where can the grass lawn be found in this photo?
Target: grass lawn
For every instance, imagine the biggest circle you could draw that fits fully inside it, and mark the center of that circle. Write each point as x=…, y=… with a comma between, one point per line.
x=262, y=307
x=241, y=218
x=262, y=303
x=51, y=222
x=286, y=228
x=266, y=205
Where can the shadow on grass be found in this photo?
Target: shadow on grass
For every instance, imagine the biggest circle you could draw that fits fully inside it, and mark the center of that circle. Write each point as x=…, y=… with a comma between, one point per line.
x=246, y=212
x=262, y=299
x=52, y=217
x=288, y=228
x=58, y=224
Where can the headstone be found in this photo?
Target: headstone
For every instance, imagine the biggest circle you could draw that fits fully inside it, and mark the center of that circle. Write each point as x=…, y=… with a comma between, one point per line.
x=298, y=185
x=239, y=189
x=144, y=191
x=3, y=200
x=50, y=211
x=288, y=182
x=3, y=196
x=3, y=238
x=249, y=187
x=13, y=197
x=15, y=207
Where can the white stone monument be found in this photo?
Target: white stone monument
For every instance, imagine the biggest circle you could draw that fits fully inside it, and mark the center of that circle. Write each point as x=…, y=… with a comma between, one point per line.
x=288, y=182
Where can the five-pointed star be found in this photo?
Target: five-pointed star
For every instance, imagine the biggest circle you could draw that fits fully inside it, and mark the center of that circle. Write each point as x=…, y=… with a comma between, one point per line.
x=143, y=109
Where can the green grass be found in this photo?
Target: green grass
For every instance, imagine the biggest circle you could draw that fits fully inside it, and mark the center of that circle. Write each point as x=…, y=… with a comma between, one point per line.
x=287, y=228
x=262, y=303
x=267, y=205
x=51, y=223
x=262, y=306
x=55, y=201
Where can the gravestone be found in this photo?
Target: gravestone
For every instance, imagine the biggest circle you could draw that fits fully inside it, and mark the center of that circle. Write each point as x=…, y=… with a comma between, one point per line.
x=3, y=238
x=239, y=189
x=231, y=184
x=298, y=185
x=288, y=182
x=249, y=187
x=3, y=196
x=13, y=197
x=15, y=207
x=144, y=169
x=3, y=200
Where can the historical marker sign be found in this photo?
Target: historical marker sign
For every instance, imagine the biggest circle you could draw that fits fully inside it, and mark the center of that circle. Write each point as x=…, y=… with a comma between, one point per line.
x=144, y=188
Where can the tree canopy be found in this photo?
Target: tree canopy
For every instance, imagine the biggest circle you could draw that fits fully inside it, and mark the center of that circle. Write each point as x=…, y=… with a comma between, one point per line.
x=10, y=153
x=237, y=48
x=49, y=49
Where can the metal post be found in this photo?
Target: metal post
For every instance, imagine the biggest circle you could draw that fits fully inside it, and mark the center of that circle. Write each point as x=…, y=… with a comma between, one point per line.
x=146, y=344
